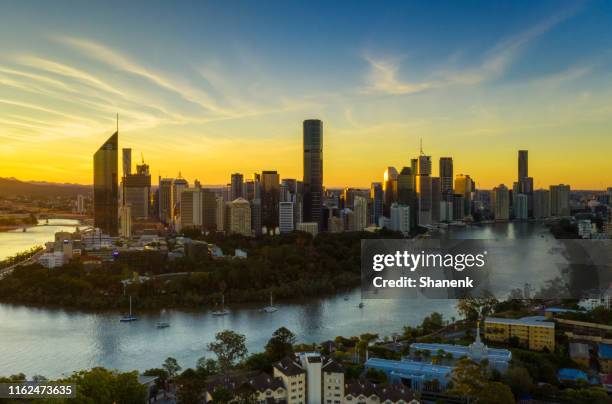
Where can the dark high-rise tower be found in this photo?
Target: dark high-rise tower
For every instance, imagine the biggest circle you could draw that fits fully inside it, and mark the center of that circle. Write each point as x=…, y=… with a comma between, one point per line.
x=106, y=186
x=313, y=171
x=446, y=176
x=522, y=165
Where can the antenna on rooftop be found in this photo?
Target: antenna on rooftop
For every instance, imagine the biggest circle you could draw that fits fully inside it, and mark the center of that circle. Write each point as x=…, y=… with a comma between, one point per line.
x=421, y=140
x=117, y=122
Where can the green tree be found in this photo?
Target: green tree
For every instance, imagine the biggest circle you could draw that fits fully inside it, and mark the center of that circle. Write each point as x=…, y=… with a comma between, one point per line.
x=473, y=308
x=206, y=367
x=494, y=393
x=230, y=347
x=467, y=378
x=171, y=366
x=100, y=385
x=281, y=344
x=519, y=380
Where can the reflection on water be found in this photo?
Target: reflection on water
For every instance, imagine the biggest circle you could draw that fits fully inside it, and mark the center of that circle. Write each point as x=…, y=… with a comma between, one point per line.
x=53, y=342
x=15, y=241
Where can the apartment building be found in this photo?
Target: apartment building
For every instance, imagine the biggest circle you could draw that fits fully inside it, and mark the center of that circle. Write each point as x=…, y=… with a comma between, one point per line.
x=534, y=333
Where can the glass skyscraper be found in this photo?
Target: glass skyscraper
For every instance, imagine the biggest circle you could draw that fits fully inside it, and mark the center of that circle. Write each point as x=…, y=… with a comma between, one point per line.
x=313, y=171
x=106, y=186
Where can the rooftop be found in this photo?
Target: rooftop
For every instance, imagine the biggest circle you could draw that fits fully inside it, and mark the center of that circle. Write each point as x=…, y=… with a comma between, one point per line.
x=409, y=366
x=539, y=321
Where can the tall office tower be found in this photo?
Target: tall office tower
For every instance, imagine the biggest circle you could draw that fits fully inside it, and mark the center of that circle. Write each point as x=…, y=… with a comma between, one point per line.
x=376, y=198
x=389, y=188
x=237, y=185
x=291, y=184
x=106, y=186
x=178, y=185
x=559, y=200
x=165, y=200
x=125, y=218
x=127, y=161
x=256, y=216
x=501, y=202
x=360, y=211
x=436, y=197
x=270, y=196
x=240, y=217
x=523, y=168
x=423, y=188
x=249, y=190
x=191, y=208
x=209, y=210
x=220, y=214
x=464, y=185
x=313, y=171
x=137, y=192
x=521, y=209
x=286, y=222
x=406, y=192
x=446, y=177
x=541, y=203
x=458, y=202
x=400, y=218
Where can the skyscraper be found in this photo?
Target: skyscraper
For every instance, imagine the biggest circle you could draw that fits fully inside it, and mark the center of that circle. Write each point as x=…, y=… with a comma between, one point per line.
x=270, y=193
x=389, y=188
x=446, y=176
x=240, y=217
x=501, y=202
x=400, y=218
x=376, y=198
x=106, y=186
x=127, y=161
x=209, y=210
x=286, y=222
x=191, y=208
x=423, y=187
x=137, y=192
x=165, y=200
x=523, y=168
x=313, y=171
x=406, y=192
x=559, y=200
x=436, y=197
x=178, y=185
x=541, y=203
x=464, y=185
x=360, y=211
x=237, y=185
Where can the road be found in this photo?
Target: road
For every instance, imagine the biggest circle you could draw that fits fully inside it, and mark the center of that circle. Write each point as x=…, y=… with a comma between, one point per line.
x=34, y=258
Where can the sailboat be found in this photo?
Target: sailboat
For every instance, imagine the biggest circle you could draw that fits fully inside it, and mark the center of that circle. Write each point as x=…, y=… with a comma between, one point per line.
x=271, y=308
x=223, y=311
x=162, y=324
x=129, y=317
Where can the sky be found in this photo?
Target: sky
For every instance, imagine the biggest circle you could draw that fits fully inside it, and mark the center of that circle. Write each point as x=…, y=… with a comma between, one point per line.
x=212, y=88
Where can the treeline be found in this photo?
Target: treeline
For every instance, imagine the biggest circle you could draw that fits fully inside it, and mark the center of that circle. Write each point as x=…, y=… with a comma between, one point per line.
x=19, y=257
x=288, y=266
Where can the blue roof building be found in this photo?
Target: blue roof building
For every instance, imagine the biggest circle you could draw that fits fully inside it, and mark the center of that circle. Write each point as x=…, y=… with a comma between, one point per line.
x=411, y=373
x=571, y=375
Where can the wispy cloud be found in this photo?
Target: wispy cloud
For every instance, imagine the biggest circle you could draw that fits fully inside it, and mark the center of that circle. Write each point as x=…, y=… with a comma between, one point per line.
x=384, y=75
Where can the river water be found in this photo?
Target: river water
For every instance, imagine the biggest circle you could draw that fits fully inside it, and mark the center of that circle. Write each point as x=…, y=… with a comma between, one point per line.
x=53, y=342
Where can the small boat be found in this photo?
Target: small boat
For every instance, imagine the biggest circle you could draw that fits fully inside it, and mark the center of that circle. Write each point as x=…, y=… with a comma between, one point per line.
x=346, y=298
x=223, y=311
x=271, y=308
x=161, y=323
x=24, y=230
x=129, y=317
x=360, y=305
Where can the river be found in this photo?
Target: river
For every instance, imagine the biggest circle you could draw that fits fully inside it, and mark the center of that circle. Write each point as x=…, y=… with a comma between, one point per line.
x=53, y=342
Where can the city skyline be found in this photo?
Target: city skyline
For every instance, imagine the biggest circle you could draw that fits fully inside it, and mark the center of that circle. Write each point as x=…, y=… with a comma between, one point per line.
x=209, y=99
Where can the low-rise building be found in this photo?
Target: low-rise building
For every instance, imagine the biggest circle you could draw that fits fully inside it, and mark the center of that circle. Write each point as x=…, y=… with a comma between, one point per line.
x=412, y=373
x=535, y=333
x=604, y=355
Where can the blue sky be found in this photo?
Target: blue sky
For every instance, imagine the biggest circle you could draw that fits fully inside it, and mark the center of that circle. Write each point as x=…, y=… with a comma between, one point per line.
x=223, y=86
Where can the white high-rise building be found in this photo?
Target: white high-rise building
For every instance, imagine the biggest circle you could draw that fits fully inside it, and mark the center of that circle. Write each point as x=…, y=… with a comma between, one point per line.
x=559, y=200
x=541, y=203
x=286, y=216
x=240, y=217
x=400, y=218
x=360, y=212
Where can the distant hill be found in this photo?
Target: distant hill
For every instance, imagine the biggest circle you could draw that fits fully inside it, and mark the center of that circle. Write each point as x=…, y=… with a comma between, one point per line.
x=12, y=186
